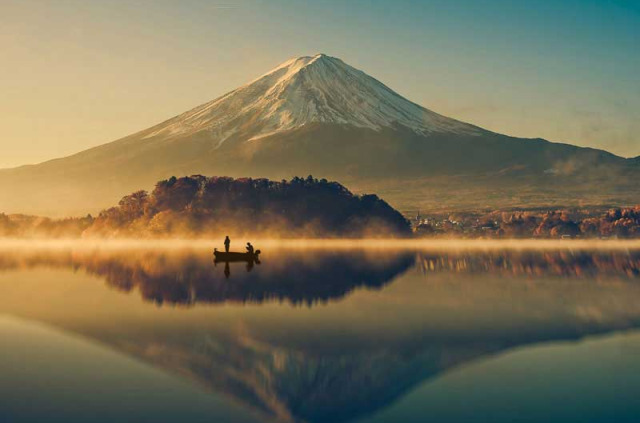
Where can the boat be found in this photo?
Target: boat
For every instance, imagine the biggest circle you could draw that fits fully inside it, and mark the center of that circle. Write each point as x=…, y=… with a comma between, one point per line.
x=236, y=256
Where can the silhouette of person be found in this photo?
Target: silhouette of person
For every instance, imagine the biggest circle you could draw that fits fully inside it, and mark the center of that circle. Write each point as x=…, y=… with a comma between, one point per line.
x=249, y=248
x=227, y=243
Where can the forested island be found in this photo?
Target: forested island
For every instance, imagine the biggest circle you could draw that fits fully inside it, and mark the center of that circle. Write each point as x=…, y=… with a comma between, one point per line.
x=199, y=207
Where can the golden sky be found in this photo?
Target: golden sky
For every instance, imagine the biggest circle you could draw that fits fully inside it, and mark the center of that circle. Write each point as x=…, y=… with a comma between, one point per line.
x=75, y=74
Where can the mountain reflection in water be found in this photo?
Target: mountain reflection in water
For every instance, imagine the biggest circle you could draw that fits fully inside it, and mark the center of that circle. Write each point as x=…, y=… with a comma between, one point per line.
x=357, y=351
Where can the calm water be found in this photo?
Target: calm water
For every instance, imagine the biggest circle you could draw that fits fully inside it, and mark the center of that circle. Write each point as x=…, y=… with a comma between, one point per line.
x=135, y=334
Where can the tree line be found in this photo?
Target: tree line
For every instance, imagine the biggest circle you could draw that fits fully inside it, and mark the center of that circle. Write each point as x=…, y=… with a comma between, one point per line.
x=614, y=223
x=200, y=206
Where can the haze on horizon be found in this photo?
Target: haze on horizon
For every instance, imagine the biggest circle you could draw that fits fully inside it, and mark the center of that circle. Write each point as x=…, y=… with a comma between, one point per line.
x=81, y=74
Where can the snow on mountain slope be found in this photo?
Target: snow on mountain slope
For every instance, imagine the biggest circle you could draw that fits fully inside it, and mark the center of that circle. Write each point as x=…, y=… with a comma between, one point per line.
x=305, y=90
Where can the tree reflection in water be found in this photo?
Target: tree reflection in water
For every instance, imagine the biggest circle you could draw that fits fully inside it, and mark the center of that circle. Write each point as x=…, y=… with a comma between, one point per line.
x=190, y=277
x=305, y=277
x=566, y=264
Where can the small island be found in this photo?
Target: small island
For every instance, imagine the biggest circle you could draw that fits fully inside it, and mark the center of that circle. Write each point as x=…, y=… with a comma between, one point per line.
x=200, y=207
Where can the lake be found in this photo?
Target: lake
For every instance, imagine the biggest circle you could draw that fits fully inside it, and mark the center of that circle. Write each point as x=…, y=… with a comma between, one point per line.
x=443, y=332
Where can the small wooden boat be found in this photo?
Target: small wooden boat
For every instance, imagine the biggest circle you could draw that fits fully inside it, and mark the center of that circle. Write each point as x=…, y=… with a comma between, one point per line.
x=236, y=256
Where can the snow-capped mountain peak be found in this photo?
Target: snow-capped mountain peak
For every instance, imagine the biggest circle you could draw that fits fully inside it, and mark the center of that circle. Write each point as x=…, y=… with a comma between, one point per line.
x=304, y=90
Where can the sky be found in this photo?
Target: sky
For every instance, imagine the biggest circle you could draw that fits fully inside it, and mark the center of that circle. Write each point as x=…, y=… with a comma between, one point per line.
x=75, y=74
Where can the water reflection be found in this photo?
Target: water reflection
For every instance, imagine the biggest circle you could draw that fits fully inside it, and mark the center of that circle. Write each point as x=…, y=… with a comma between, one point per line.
x=190, y=277
x=566, y=264
x=227, y=265
x=356, y=353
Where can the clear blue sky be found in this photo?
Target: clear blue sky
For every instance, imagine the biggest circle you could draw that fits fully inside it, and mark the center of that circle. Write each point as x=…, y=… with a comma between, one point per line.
x=79, y=73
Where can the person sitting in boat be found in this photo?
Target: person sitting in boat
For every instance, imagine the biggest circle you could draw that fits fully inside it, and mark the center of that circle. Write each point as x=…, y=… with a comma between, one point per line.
x=227, y=243
x=249, y=248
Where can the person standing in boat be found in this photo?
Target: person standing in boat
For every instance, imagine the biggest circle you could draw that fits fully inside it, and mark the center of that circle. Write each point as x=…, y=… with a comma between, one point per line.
x=227, y=243
x=249, y=248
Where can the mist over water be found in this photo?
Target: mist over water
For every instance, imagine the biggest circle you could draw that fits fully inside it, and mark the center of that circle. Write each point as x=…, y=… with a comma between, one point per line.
x=323, y=330
x=363, y=244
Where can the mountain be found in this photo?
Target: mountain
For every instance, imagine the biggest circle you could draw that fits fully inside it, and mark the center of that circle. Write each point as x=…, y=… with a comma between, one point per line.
x=317, y=115
x=318, y=89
